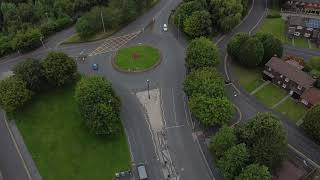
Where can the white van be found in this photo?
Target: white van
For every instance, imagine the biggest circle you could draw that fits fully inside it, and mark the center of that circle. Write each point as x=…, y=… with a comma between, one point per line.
x=142, y=172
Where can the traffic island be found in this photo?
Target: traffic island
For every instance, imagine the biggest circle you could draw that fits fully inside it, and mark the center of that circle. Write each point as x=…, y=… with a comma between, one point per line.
x=138, y=58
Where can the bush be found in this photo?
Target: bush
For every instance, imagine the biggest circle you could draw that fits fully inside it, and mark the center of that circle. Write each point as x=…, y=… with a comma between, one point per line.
x=62, y=23
x=311, y=123
x=28, y=40
x=274, y=14
x=223, y=140
x=198, y=24
x=14, y=94
x=211, y=111
x=233, y=161
x=31, y=71
x=201, y=52
x=59, y=68
x=184, y=11
x=235, y=44
x=255, y=172
x=205, y=81
x=313, y=64
x=5, y=47
x=271, y=45
x=98, y=105
x=251, y=53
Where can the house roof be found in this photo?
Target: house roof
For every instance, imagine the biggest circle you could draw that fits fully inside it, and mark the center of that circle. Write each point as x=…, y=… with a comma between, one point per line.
x=296, y=21
x=312, y=96
x=293, y=73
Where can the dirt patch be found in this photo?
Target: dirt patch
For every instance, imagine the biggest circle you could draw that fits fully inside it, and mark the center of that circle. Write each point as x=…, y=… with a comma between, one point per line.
x=136, y=56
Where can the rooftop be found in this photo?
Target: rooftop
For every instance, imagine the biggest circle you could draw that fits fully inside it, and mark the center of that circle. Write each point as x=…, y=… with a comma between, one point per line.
x=312, y=95
x=293, y=73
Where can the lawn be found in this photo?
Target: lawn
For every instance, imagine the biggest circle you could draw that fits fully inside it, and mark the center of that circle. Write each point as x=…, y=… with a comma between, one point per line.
x=270, y=95
x=137, y=58
x=294, y=110
x=60, y=144
x=250, y=79
x=277, y=27
x=76, y=38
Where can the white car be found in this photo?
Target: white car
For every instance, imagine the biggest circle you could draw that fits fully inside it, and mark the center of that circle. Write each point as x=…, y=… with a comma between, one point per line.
x=165, y=27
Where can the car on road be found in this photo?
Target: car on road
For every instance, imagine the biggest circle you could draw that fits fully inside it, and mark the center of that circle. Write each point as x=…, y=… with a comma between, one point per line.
x=95, y=67
x=142, y=173
x=165, y=27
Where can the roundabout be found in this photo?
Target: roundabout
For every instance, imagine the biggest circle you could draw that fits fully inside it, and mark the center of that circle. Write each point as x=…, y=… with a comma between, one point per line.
x=138, y=58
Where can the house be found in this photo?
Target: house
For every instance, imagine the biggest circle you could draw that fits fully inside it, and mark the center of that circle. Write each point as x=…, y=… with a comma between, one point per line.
x=291, y=78
x=311, y=97
x=302, y=27
x=306, y=6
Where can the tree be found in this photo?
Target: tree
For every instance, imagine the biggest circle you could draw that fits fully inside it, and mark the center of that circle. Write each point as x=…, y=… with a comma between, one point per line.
x=313, y=64
x=98, y=105
x=251, y=53
x=198, y=24
x=31, y=71
x=255, y=172
x=311, y=123
x=27, y=40
x=226, y=14
x=271, y=45
x=233, y=161
x=211, y=111
x=184, y=11
x=201, y=52
x=14, y=94
x=205, y=81
x=236, y=43
x=59, y=68
x=104, y=120
x=266, y=140
x=223, y=140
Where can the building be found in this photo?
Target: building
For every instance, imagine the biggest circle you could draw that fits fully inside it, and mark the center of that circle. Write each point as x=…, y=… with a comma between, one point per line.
x=306, y=6
x=291, y=78
x=303, y=27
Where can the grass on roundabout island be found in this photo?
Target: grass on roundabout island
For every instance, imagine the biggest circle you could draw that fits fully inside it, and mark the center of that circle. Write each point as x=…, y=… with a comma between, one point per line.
x=60, y=144
x=137, y=58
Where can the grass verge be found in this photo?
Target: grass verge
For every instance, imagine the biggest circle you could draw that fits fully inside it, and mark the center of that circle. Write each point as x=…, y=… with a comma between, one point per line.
x=294, y=110
x=250, y=79
x=137, y=58
x=60, y=144
x=270, y=95
x=101, y=35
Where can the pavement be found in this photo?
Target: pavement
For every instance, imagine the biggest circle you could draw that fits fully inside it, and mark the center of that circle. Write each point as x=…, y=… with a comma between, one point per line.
x=179, y=136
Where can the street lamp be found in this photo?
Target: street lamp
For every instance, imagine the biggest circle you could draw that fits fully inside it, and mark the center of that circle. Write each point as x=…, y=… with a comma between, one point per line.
x=148, y=83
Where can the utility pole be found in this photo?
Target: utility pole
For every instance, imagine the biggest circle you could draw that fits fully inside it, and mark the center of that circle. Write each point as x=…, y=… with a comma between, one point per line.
x=148, y=83
x=104, y=29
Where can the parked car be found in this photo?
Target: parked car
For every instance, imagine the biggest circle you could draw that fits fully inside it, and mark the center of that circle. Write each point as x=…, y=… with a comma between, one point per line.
x=142, y=173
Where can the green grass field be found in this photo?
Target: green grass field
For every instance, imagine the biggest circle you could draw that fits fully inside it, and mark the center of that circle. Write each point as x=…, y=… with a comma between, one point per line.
x=294, y=110
x=60, y=144
x=270, y=95
x=137, y=58
x=250, y=79
x=277, y=27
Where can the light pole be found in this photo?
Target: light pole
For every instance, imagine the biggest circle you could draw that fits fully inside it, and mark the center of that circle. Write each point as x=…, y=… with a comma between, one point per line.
x=104, y=29
x=148, y=83
x=41, y=39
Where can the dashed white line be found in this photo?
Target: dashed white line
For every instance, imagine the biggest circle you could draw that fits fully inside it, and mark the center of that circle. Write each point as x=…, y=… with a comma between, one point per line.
x=174, y=107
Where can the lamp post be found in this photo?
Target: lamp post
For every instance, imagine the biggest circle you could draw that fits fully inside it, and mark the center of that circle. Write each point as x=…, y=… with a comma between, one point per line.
x=148, y=83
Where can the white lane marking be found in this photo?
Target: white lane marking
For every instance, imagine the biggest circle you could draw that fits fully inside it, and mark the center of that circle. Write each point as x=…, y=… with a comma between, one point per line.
x=174, y=107
x=204, y=157
x=171, y=127
x=17, y=147
x=130, y=145
x=185, y=109
x=161, y=105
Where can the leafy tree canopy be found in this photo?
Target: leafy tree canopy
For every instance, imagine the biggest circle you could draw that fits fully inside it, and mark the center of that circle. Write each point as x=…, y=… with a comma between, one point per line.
x=311, y=123
x=198, y=24
x=223, y=140
x=255, y=172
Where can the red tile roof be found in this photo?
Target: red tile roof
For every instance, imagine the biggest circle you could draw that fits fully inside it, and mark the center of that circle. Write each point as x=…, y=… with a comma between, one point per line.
x=312, y=96
x=301, y=78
